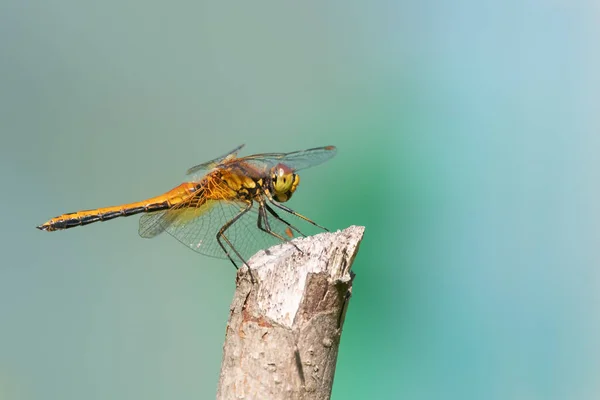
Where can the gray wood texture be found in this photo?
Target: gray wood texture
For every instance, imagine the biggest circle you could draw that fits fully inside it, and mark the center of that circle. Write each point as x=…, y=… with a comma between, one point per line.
x=286, y=319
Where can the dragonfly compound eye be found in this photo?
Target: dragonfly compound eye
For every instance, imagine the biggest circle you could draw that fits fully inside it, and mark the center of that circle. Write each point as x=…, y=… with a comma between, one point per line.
x=284, y=182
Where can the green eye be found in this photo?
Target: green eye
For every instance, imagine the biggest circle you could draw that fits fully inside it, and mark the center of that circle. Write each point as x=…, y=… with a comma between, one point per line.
x=283, y=182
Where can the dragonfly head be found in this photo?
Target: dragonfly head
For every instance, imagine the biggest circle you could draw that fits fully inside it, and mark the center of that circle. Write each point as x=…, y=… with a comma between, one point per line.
x=283, y=182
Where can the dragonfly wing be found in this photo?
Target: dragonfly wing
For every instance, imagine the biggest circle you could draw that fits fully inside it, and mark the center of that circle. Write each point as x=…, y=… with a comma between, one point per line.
x=197, y=228
x=151, y=224
x=213, y=163
x=296, y=160
x=197, y=221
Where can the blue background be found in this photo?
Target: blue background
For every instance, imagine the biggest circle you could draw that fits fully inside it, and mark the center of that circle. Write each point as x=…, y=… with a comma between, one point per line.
x=468, y=146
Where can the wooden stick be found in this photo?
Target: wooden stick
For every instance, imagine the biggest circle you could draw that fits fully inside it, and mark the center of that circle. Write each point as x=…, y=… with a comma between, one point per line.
x=285, y=325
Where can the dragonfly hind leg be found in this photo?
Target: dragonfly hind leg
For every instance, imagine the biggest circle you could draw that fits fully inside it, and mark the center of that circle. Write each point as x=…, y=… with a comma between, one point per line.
x=221, y=235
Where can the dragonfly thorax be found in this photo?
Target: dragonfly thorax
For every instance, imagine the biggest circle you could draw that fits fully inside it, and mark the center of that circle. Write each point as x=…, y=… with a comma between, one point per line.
x=283, y=182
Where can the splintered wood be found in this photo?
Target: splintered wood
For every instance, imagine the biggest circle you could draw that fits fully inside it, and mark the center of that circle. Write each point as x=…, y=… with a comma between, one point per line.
x=286, y=319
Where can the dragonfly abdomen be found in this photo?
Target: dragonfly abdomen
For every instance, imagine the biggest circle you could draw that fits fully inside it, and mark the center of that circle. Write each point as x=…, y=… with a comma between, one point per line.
x=162, y=202
x=71, y=220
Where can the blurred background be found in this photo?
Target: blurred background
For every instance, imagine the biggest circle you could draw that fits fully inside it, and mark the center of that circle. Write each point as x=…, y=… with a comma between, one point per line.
x=468, y=143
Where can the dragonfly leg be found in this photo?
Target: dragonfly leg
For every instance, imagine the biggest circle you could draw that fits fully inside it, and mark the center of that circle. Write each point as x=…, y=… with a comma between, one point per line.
x=274, y=214
x=262, y=216
x=221, y=235
x=287, y=209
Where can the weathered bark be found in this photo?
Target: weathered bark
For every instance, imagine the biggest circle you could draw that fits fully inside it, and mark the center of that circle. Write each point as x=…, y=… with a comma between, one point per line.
x=286, y=319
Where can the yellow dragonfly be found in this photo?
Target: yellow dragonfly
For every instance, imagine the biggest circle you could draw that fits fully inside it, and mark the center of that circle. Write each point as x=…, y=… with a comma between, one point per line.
x=229, y=206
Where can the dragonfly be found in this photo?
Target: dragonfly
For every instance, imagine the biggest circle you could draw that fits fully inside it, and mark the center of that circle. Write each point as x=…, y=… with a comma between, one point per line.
x=229, y=207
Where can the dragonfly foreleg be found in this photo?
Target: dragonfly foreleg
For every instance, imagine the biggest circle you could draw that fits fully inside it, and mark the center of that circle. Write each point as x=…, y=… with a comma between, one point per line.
x=289, y=210
x=274, y=214
x=262, y=216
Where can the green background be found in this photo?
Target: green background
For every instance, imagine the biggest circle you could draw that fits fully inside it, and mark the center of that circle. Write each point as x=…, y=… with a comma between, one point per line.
x=468, y=146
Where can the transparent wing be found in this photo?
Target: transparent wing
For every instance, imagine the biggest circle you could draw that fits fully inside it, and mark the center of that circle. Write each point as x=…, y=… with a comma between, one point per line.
x=197, y=221
x=151, y=224
x=197, y=227
x=296, y=160
x=213, y=163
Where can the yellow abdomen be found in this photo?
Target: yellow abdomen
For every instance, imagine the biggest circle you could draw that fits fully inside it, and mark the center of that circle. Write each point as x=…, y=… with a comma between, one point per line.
x=169, y=199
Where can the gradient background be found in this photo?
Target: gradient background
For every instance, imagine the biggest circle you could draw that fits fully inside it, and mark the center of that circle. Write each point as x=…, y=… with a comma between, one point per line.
x=468, y=137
